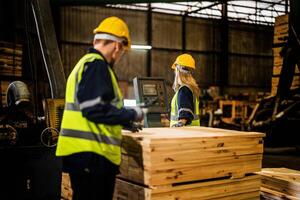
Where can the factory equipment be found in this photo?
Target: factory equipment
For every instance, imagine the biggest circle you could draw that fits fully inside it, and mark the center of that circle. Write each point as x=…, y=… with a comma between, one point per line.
x=151, y=93
x=31, y=73
x=279, y=115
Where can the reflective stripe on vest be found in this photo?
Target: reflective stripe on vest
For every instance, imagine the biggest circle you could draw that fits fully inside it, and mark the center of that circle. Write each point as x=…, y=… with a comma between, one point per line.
x=78, y=134
x=175, y=112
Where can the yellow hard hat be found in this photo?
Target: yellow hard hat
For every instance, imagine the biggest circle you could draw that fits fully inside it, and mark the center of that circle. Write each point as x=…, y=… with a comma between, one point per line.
x=116, y=27
x=185, y=60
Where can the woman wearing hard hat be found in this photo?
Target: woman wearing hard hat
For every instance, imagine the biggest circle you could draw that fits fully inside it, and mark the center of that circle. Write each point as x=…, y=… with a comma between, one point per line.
x=185, y=103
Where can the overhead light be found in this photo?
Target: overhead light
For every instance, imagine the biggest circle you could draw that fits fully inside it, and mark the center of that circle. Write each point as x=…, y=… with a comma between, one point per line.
x=145, y=47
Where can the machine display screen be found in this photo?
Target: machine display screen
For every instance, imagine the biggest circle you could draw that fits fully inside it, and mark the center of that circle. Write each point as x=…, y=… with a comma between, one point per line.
x=149, y=89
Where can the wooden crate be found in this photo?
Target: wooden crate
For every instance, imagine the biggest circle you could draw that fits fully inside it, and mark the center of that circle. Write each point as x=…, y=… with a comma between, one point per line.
x=160, y=156
x=230, y=189
x=233, y=109
x=282, y=183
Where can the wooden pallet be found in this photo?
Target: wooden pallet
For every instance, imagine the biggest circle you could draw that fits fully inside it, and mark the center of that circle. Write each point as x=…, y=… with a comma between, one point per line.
x=226, y=189
x=280, y=182
x=160, y=156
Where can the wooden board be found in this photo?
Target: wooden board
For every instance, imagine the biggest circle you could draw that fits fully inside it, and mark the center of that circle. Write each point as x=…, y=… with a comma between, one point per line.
x=7, y=70
x=281, y=182
x=11, y=62
x=3, y=88
x=280, y=20
x=159, y=156
x=229, y=189
x=281, y=29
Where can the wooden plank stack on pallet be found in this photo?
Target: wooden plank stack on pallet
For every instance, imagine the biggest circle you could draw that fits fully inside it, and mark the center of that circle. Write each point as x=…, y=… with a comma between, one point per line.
x=280, y=183
x=281, y=29
x=10, y=59
x=189, y=163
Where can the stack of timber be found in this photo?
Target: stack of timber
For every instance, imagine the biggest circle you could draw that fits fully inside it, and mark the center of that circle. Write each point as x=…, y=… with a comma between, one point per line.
x=3, y=88
x=189, y=163
x=10, y=59
x=280, y=183
x=281, y=29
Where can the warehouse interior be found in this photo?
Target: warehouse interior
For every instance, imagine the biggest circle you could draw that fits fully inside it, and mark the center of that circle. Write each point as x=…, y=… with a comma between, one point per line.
x=247, y=69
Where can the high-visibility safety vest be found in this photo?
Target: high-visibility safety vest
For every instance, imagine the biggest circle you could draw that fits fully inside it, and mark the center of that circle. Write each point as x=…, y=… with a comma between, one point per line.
x=78, y=134
x=175, y=112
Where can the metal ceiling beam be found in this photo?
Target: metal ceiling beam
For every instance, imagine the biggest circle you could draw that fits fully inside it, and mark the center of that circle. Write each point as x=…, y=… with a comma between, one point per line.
x=202, y=8
x=102, y=2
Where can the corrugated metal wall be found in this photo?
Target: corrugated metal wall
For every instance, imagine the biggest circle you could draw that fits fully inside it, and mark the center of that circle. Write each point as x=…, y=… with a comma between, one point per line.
x=250, y=61
x=250, y=56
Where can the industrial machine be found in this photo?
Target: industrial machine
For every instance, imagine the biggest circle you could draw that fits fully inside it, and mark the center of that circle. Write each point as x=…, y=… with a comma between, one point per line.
x=279, y=115
x=151, y=93
x=31, y=111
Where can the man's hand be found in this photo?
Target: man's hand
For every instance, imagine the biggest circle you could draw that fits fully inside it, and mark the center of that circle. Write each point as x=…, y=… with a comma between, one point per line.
x=179, y=124
x=134, y=127
x=140, y=113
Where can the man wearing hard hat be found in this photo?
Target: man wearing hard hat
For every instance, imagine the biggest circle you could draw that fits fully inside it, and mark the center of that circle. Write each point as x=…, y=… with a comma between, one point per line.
x=94, y=115
x=185, y=103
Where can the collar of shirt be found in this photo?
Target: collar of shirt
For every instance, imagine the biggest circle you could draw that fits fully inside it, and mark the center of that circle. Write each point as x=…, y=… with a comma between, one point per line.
x=93, y=50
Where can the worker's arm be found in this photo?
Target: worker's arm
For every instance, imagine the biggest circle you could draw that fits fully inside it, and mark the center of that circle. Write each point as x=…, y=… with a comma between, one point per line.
x=95, y=94
x=185, y=105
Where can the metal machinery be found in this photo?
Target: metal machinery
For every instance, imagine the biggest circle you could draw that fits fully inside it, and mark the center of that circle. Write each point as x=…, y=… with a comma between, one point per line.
x=30, y=118
x=151, y=93
x=279, y=115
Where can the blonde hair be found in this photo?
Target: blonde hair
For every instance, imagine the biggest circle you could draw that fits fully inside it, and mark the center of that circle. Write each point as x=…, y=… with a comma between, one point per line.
x=185, y=79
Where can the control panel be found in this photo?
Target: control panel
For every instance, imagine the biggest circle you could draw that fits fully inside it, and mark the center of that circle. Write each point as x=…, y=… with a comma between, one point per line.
x=151, y=93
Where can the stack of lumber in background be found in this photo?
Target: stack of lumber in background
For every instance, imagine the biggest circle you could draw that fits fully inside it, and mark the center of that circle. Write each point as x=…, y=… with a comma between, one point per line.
x=3, y=88
x=10, y=65
x=281, y=29
x=189, y=163
x=280, y=183
x=10, y=59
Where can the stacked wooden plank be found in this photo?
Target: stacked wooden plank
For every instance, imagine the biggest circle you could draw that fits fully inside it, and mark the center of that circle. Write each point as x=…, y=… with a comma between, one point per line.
x=281, y=29
x=10, y=59
x=3, y=88
x=280, y=183
x=190, y=163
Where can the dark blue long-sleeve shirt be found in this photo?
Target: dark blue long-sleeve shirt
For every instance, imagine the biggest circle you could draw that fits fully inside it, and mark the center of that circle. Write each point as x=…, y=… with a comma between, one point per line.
x=185, y=101
x=96, y=86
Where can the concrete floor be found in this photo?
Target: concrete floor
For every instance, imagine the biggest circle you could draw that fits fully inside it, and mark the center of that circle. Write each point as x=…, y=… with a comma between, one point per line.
x=291, y=161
